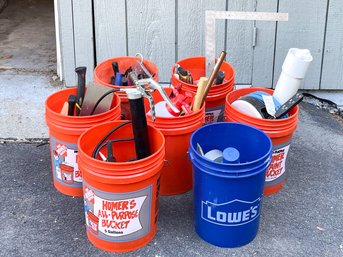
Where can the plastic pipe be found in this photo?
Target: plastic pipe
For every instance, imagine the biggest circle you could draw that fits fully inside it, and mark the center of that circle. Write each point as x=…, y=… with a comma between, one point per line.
x=294, y=70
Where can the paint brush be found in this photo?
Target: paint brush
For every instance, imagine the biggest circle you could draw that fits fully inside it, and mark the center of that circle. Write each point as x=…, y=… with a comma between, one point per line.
x=213, y=75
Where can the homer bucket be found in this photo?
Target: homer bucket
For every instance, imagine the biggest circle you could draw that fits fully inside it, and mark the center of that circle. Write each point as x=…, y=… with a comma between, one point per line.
x=229, y=167
x=64, y=131
x=279, y=130
x=273, y=111
x=113, y=73
x=194, y=67
x=121, y=197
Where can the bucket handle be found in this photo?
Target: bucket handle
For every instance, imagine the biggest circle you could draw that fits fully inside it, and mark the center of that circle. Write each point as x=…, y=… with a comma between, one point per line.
x=166, y=163
x=189, y=156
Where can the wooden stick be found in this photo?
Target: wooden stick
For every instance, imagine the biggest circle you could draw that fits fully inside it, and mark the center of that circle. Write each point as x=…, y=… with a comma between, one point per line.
x=213, y=75
x=64, y=110
x=200, y=92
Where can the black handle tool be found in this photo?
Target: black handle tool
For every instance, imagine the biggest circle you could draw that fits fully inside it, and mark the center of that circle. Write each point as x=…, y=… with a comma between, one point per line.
x=139, y=124
x=115, y=68
x=286, y=107
x=81, y=87
x=72, y=99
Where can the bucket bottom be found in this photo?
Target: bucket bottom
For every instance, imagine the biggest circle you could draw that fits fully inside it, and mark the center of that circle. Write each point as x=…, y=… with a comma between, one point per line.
x=273, y=189
x=177, y=192
x=228, y=244
x=121, y=247
x=68, y=190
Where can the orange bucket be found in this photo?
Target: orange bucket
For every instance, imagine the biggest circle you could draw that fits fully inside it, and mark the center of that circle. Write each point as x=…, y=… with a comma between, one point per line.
x=103, y=73
x=280, y=132
x=215, y=100
x=64, y=131
x=120, y=198
x=176, y=175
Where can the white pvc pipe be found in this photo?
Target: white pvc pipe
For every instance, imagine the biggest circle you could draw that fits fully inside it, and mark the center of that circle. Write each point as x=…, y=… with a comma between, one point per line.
x=294, y=69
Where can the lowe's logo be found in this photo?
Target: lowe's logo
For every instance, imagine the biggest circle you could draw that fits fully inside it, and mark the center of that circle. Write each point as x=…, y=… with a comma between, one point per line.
x=233, y=213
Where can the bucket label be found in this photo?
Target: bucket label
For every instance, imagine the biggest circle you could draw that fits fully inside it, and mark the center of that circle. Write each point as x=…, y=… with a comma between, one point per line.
x=278, y=165
x=233, y=213
x=117, y=217
x=214, y=114
x=64, y=163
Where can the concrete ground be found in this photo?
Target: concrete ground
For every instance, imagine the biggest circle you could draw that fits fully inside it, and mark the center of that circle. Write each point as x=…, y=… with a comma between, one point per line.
x=27, y=67
x=304, y=219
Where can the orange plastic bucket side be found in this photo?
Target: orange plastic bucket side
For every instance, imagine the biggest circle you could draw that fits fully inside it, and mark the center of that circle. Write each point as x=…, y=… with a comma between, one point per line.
x=276, y=172
x=280, y=131
x=150, y=187
x=176, y=175
x=61, y=181
x=64, y=132
x=124, y=205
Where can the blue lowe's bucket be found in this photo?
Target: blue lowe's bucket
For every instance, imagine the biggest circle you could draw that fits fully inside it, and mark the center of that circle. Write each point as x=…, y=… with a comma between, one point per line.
x=228, y=195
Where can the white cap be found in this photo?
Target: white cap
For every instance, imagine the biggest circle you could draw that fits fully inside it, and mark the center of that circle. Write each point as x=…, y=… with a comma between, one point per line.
x=296, y=62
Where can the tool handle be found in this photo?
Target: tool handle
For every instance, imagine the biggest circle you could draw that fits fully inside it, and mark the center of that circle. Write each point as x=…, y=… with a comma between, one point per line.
x=81, y=85
x=220, y=78
x=286, y=107
x=115, y=68
x=199, y=95
x=110, y=157
x=118, y=79
x=72, y=99
x=139, y=124
x=213, y=75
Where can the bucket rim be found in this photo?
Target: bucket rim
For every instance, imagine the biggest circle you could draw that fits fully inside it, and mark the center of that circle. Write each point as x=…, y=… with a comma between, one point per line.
x=49, y=112
x=272, y=133
x=104, y=63
x=202, y=58
x=178, y=121
x=229, y=101
x=234, y=165
x=235, y=174
x=117, y=164
x=121, y=178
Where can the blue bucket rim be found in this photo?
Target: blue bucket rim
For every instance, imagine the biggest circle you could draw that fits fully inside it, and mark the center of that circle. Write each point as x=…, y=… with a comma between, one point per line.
x=215, y=166
x=233, y=174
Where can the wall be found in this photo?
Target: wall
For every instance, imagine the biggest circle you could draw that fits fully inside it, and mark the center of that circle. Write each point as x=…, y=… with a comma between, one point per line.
x=165, y=31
